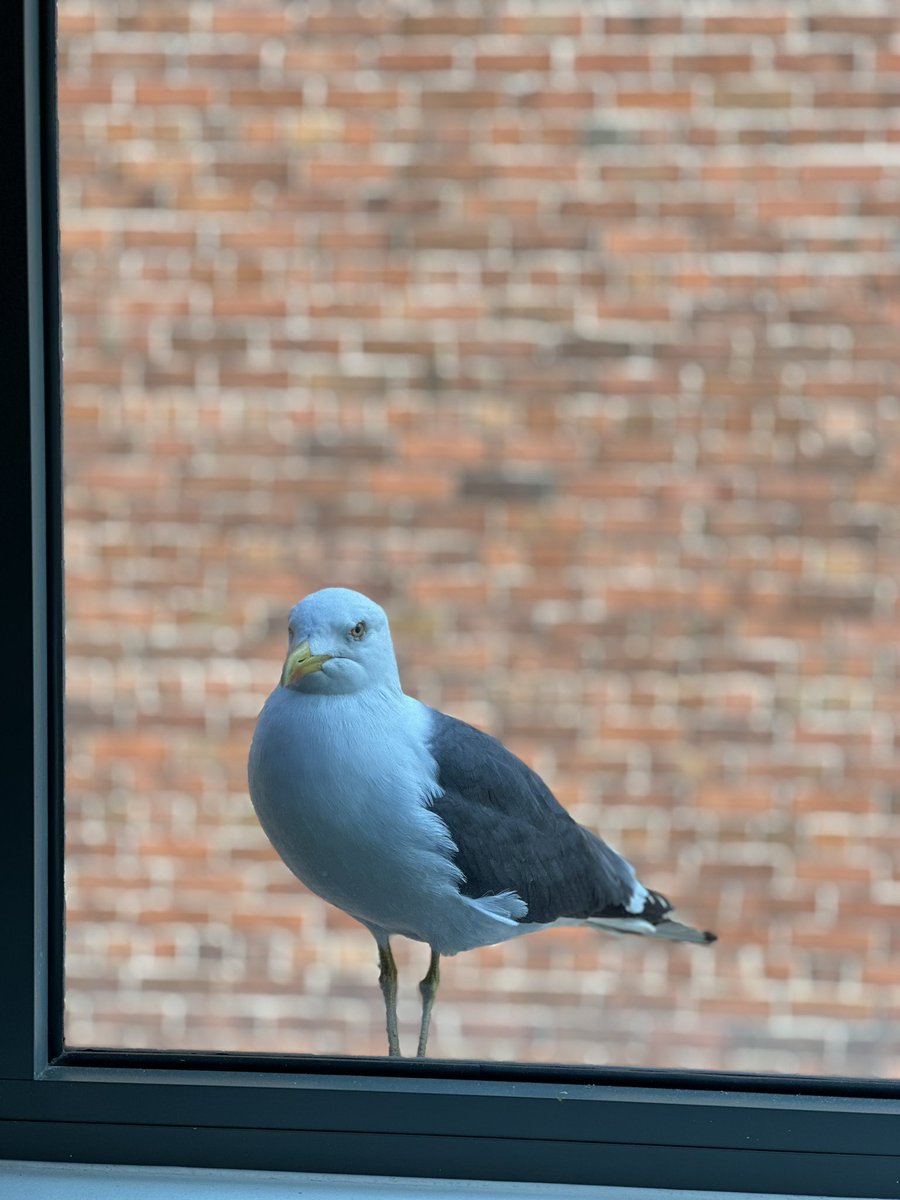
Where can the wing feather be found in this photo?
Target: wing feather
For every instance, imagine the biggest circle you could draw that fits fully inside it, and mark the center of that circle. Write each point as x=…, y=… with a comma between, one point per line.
x=512, y=834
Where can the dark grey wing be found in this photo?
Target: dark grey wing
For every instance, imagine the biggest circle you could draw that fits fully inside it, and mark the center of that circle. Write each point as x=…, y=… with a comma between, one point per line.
x=512, y=834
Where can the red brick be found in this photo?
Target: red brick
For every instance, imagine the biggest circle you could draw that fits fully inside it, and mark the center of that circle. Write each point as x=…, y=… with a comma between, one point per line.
x=459, y=99
x=714, y=64
x=865, y=24
x=192, y=95
x=654, y=99
x=817, y=62
x=542, y=24
x=613, y=62
x=772, y=23
x=253, y=21
x=72, y=93
x=534, y=61
x=442, y=24
x=364, y=98
x=339, y=24
x=415, y=61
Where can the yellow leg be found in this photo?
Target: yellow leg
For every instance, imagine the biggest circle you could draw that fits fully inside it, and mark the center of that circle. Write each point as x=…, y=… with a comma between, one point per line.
x=428, y=987
x=387, y=977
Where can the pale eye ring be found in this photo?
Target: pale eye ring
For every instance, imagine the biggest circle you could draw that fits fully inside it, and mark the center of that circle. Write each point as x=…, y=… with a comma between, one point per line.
x=358, y=630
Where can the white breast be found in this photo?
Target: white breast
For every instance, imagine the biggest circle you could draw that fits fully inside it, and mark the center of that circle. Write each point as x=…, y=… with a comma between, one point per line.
x=341, y=786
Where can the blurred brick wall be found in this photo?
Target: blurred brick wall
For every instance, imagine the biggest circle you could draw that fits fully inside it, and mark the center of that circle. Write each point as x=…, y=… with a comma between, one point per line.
x=570, y=333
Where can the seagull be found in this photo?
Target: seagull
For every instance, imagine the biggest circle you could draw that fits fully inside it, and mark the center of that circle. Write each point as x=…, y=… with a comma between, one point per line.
x=416, y=823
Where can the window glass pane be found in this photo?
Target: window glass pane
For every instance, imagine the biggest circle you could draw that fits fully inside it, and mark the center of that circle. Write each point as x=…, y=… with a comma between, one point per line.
x=568, y=333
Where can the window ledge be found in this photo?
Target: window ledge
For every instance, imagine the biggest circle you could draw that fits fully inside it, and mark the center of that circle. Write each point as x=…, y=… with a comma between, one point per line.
x=78, y=1181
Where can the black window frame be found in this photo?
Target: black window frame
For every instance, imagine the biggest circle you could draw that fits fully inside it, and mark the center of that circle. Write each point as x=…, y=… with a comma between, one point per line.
x=491, y=1121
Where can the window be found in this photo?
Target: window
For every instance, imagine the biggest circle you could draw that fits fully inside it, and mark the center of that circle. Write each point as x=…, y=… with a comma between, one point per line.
x=476, y=1121
x=549, y=382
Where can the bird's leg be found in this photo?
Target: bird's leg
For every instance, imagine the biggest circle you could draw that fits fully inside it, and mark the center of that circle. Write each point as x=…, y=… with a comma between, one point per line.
x=387, y=977
x=428, y=987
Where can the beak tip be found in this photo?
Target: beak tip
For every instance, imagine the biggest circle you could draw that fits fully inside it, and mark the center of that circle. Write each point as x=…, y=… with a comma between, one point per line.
x=301, y=662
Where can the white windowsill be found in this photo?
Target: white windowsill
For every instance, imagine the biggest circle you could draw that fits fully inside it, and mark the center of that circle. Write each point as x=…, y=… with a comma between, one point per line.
x=77, y=1181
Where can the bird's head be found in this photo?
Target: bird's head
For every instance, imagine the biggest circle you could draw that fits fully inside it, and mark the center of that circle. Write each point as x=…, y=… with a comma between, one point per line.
x=339, y=642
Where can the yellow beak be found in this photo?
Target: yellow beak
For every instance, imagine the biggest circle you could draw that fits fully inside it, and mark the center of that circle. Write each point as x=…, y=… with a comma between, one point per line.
x=301, y=661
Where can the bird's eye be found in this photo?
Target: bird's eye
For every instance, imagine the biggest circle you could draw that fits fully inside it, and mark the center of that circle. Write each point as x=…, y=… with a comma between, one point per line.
x=358, y=630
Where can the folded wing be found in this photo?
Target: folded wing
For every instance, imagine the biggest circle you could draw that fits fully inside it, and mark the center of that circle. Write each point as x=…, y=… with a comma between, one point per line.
x=512, y=834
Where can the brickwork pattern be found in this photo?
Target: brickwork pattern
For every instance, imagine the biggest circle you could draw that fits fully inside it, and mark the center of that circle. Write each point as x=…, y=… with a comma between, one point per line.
x=570, y=333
